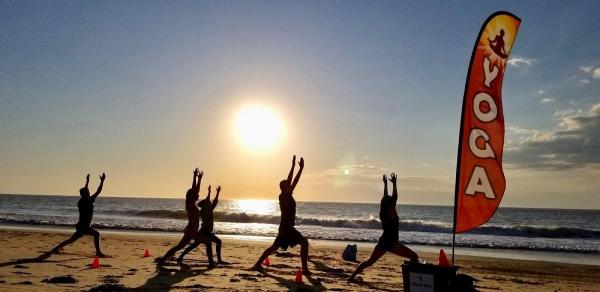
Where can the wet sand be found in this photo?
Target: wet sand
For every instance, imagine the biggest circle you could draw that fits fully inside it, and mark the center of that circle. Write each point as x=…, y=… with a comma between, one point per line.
x=21, y=270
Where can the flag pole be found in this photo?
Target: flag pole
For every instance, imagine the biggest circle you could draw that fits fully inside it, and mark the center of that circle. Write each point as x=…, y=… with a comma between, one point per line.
x=457, y=179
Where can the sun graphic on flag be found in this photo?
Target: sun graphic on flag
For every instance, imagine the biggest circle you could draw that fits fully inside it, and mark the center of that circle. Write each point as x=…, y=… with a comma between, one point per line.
x=503, y=28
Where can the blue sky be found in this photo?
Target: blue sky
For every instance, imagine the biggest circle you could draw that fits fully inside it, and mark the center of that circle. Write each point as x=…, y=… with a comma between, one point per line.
x=146, y=91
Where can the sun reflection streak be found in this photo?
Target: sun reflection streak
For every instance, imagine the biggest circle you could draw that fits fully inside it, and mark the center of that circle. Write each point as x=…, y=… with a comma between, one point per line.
x=262, y=207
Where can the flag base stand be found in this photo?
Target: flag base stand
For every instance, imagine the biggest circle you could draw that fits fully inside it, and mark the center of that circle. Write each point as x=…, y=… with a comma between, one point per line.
x=419, y=277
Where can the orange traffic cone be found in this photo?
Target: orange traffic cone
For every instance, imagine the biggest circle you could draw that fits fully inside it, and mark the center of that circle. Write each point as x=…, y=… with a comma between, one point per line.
x=146, y=253
x=298, y=279
x=267, y=262
x=442, y=259
x=96, y=263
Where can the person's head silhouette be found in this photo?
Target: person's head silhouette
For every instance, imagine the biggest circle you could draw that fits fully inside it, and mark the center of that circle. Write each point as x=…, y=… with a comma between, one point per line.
x=501, y=32
x=84, y=192
x=284, y=185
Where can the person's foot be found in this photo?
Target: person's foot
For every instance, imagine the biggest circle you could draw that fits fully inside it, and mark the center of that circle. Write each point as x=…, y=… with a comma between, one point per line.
x=222, y=262
x=257, y=268
x=306, y=272
x=211, y=265
x=101, y=255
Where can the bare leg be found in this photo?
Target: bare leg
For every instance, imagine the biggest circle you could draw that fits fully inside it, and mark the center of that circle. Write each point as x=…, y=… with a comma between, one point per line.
x=403, y=251
x=218, y=243
x=93, y=232
x=271, y=249
x=199, y=237
x=187, y=250
x=182, y=243
x=375, y=255
x=304, y=256
x=70, y=240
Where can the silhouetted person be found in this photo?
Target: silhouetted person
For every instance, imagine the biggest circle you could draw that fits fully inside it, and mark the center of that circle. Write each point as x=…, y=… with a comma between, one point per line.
x=389, y=239
x=288, y=236
x=191, y=230
x=206, y=214
x=497, y=45
x=86, y=212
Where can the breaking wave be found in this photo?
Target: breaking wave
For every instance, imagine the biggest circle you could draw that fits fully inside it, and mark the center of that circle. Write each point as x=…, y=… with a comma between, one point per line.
x=405, y=225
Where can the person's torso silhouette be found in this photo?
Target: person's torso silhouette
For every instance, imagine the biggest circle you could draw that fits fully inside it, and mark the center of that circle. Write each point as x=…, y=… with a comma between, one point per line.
x=86, y=212
x=287, y=205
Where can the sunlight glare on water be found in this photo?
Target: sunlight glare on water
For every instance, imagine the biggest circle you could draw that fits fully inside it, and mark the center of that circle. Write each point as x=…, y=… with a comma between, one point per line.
x=262, y=207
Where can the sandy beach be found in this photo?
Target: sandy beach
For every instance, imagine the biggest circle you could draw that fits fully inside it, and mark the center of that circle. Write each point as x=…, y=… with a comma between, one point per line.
x=20, y=270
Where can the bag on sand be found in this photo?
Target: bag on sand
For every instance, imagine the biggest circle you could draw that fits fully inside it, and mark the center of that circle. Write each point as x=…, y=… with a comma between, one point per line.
x=349, y=253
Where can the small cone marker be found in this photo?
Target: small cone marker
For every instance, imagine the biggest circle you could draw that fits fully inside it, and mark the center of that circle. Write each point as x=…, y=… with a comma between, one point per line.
x=298, y=279
x=267, y=262
x=96, y=263
x=442, y=259
x=146, y=253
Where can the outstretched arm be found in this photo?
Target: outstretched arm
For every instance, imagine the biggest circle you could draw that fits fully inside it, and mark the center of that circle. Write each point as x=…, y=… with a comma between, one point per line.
x=200, y=175
x=385, y=189
x=194, y=179
x=289, y=178
x=216, y=201
x=87, y=180
x=394, y=187
x=102, y=178
x=297, y=178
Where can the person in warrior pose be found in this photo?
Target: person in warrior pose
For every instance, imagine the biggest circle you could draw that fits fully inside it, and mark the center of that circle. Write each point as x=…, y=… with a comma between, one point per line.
x=206, y=214
x=389, y=239
x=288, y=236
x=191, y=230
x=86, y=212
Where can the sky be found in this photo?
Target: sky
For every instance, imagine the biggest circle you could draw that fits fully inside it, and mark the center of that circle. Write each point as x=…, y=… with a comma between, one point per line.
x=147, y=91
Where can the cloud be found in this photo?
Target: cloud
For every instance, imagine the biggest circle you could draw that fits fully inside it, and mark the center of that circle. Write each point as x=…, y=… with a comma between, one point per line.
x=597, y=73
x=547, y=100
x=541, y=91
x=586, y=69
x=517, y=61
x=575, y=143
x=583, y=82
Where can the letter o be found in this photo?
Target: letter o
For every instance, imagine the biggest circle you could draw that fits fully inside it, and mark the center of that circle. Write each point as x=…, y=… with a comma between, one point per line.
x=484, y=117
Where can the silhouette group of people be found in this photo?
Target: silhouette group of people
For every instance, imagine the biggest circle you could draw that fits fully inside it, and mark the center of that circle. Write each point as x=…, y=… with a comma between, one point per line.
x=287, y=236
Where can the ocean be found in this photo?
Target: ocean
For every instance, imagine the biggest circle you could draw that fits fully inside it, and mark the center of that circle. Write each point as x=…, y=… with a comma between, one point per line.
x=550, y=230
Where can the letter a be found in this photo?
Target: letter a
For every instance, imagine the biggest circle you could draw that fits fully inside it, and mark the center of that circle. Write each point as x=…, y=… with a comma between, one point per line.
x=479, y=183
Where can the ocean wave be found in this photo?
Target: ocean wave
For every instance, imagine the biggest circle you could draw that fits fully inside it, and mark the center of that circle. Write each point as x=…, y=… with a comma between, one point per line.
x=372, y=223
x=340, y=237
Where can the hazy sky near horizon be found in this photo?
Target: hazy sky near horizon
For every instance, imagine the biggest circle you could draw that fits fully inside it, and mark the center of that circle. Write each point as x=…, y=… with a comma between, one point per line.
x=148, y=90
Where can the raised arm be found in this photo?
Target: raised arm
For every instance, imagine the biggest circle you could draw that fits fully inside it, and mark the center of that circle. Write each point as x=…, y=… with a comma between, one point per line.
x=291, y=174
x=208, y=195
x=200, y=175
x=196, y=171
x=297, y=178
x=102, y=178
x=385, y=189
x=216, y=201
x=87, y=180
x=393, y=179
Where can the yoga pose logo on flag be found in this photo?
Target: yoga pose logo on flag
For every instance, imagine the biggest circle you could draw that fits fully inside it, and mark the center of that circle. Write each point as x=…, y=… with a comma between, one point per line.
x=480, y=181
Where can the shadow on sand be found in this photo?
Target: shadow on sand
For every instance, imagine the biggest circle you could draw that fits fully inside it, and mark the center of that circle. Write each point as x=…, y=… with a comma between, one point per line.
x=167, y=278
x=43, y=258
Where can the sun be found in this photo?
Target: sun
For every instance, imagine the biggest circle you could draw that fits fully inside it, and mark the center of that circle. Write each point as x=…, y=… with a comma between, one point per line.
x=258, y=127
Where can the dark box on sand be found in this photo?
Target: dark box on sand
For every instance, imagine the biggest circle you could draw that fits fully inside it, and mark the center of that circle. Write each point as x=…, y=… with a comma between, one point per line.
x=419, y=277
